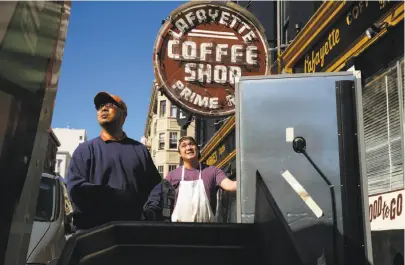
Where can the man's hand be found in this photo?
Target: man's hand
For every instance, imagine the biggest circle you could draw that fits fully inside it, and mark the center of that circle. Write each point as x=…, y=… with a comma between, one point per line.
x=228, y=185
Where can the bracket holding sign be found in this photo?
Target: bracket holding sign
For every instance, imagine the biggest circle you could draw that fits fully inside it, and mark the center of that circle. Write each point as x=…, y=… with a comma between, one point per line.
x=183, y=118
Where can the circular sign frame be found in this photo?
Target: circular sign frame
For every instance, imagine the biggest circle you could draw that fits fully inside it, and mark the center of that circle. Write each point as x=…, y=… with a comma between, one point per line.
x=200, y=52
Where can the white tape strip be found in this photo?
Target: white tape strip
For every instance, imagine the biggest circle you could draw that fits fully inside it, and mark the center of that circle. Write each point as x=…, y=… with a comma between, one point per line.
x=289, y=134
x=302, y=193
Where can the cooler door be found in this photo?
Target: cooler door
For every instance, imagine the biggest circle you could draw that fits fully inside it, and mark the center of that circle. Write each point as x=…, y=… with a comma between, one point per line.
x=325, y=110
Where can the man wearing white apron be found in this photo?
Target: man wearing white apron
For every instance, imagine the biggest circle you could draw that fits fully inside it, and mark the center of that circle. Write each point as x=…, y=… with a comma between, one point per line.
x=196, y=185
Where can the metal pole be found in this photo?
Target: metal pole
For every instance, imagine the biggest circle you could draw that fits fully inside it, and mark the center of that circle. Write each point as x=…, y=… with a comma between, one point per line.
x=278, y=28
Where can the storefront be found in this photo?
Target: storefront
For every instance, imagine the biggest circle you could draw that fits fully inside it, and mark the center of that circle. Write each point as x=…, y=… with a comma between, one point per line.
x=220, y=152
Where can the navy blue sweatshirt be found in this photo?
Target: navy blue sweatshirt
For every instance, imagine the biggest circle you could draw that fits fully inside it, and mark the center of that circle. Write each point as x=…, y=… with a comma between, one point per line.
x=110, y=181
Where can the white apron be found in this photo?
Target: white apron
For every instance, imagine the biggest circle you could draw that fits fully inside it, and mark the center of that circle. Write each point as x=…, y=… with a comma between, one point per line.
x=192, y=203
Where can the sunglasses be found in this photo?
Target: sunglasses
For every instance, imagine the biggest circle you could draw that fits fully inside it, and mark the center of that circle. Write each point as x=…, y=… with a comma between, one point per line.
x=108, y=105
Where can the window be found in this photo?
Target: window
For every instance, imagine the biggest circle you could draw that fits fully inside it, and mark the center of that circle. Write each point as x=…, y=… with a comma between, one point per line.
x=172, y=167
x=154, y=128
x=173, y=111
x=46, y=210
x=161, y=141
x=173, y=140
x=162, y=108
x=155, y=104
x=58, y=164
x=80, y=137
x=160, y=170
x=382, y=129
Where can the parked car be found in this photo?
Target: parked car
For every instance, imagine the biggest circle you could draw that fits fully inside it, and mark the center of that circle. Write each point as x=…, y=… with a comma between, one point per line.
x=51, y=223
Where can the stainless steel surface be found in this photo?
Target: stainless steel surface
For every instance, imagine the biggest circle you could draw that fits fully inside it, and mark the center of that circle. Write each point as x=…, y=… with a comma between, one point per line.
x=284, y=101
x=265, y=107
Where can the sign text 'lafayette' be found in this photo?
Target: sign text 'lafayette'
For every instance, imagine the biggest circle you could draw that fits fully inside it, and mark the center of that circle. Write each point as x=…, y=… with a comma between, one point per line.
x=212, y=15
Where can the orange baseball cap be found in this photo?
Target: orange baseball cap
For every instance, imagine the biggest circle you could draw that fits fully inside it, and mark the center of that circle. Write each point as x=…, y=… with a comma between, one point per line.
x=102, y=97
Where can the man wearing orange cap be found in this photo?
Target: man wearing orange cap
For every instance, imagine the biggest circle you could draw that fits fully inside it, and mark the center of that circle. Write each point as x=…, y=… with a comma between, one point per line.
x=110, y=176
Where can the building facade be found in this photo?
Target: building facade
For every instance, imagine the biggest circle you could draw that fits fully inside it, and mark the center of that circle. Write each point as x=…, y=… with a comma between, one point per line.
x=163, y=130
x=51, y=153
x=69, y=141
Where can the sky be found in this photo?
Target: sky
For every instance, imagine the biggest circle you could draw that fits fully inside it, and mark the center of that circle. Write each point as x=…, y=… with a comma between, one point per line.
x=109, y=48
